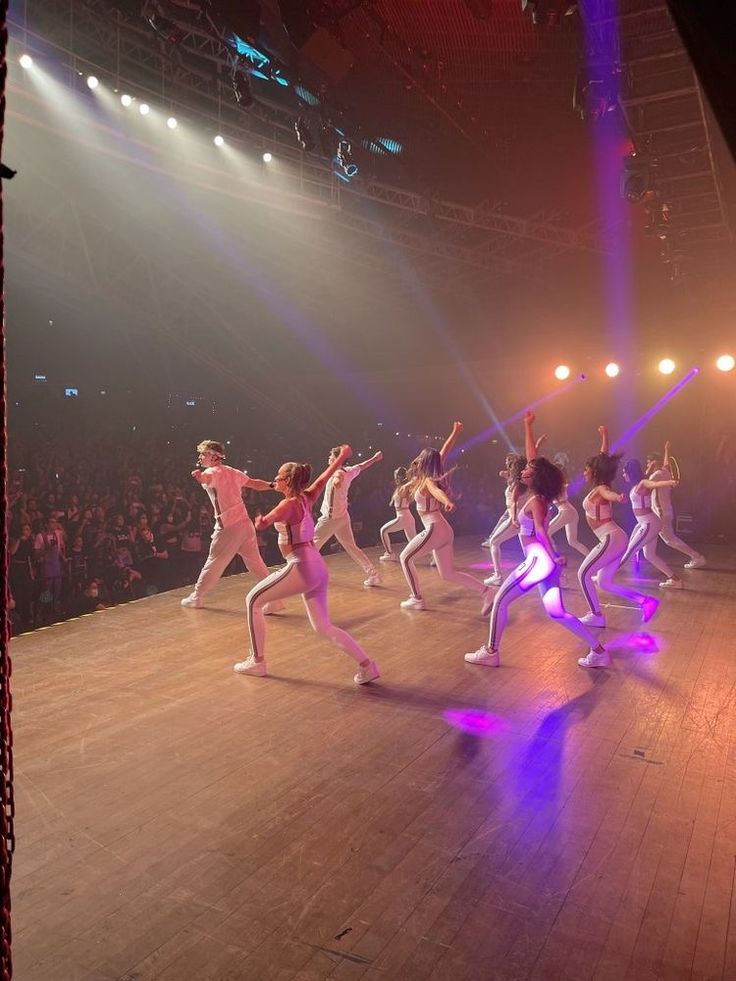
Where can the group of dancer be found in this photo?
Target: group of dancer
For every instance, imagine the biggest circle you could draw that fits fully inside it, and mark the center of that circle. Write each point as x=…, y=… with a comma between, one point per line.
x=533, y=485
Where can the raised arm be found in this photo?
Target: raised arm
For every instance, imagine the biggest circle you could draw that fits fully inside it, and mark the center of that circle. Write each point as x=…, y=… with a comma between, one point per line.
x=530, y=447
x=666, y=457
x=603, y=430
x=457, y=428
x=376, y=458
x=319, y=482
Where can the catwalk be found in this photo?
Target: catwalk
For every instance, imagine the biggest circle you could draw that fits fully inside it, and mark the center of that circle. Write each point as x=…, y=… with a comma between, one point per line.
x=178, y=821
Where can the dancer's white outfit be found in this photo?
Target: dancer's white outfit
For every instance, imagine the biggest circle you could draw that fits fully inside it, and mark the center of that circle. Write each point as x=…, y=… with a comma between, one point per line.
x=538, y=569
x=335, y=520
x=662, y=507
x=504, y=531
x=403, y=521
x=436, y=537
x=603, y=561
x=644, y=535
x=568, y=518
x=305, y=573
x=233, y=533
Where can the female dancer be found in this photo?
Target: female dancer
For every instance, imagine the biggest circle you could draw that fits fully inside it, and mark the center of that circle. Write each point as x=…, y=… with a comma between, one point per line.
x=602, y=563
x=404, y=520
x=658, y=468
x=567, y=516
x=305, y=571
x=648, y=524
x=427, y=482
x=506, y=528
x=541, y=565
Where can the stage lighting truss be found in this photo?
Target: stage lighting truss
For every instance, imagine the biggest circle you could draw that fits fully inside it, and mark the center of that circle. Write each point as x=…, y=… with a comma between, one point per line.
x=167, y=29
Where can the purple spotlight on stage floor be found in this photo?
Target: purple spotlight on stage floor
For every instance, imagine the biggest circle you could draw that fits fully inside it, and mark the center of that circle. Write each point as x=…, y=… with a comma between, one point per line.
x=475, y=722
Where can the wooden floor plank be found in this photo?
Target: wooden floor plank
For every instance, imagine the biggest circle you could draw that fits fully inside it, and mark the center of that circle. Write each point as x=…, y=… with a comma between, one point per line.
x=446, y=823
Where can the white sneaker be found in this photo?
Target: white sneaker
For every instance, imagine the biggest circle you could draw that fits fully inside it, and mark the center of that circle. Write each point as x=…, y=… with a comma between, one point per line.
x=486, y=543
x=366, y=673
x=388, y=557
x=488, y=598
x=671, y=584
x=648, y=608
x=593, y=620
x=251, y=666
x=493, y=580
x=275, y=607
x=594, y=659
x=483, y=656
x=374, y=580
x=192, y=601
x=413, y=604
x=697, y=563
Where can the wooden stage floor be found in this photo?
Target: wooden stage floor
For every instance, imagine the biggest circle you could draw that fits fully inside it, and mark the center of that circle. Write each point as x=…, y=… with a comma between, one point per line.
x=449, y=822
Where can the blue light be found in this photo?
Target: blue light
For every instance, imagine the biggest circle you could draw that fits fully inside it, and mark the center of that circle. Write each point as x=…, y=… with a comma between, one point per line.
x=256, y=73
x=306, y=96
x=384, y=144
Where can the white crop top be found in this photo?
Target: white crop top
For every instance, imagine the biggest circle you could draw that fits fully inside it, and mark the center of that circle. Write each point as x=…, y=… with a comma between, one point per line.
x=640, y=500
x=426, y=502
x=400, y=502
x=597, y=507
x=526, y=520
x=297, y=532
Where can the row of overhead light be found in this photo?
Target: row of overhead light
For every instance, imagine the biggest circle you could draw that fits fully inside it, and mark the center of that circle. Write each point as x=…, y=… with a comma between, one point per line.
x=726, y=362
x=127, y=101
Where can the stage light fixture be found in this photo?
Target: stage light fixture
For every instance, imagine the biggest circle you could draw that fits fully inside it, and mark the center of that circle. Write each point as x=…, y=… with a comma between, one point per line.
x=726, y=362
x=219, y=140
x=267, y=157
x=562, y=372
x=345, y=158
x=92, y=82
x=303, y=136
x=666, y=366
x=171, y=122
x=126, y=100
x=25, y=61
x=241, y=89
x=612, y=369
x=167, y=29
x=144, y=109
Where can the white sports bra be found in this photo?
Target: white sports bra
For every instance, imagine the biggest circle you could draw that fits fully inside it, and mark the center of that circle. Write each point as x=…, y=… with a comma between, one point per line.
x=526, y=521
x=597, y=507
x=640, y=501
x=426, y=502
x=298, y=532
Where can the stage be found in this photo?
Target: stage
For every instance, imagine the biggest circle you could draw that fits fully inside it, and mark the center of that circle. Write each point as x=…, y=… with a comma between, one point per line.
x=448, y=822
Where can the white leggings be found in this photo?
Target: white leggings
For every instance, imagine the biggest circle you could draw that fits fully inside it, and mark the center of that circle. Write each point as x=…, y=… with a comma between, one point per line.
x=437, y=537
x=404, y=521
x=238, y=539
x=604, y=559
x=669, y=537
x=503, y=532
x=644, y=538
x=305, y=572
x=567, y=517
x=343, y=532
x=537, y=569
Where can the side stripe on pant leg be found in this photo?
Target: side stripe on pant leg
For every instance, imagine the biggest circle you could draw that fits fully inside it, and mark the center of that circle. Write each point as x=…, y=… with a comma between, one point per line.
x=636, y=541
x=259, y=590
x=413, y=584
x=593, y=558
x=509, y=585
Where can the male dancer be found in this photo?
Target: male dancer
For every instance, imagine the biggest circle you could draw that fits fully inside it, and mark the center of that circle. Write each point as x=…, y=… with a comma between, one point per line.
x=234, y=533
x=658, y=468
x=335, y=518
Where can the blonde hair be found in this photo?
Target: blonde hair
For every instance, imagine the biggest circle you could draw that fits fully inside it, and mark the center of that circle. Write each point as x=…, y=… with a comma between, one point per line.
x=211, y=446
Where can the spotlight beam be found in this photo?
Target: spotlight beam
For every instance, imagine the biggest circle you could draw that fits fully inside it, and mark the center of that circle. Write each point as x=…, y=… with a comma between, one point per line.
x=657, y=407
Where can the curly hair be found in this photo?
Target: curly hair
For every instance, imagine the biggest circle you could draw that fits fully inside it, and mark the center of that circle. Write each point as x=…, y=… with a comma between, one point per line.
x=603, y=467
x=546, y=480
x=211, y=446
